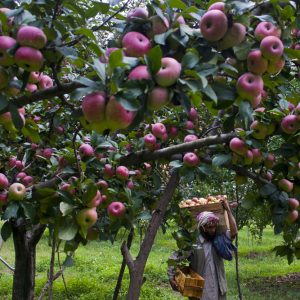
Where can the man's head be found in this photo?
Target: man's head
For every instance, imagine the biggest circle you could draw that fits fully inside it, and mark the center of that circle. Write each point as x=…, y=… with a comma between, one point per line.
x=207, y=224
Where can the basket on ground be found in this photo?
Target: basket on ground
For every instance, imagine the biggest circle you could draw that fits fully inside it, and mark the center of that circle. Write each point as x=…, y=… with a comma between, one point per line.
x=190, y=283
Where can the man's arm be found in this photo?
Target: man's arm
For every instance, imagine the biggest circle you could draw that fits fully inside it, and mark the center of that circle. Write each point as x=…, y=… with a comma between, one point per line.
x=232, y=224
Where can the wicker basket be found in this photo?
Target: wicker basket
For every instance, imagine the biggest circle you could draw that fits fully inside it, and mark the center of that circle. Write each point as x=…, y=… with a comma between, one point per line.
x=189, y=282
x=217, y=209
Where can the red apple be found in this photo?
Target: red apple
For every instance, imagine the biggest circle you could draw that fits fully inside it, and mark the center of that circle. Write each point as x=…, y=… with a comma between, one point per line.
x=213, y=25
x=122, y=172
x=86, y=150
x=272, y=48
x=93, y=107
x=138, y=12
x=16, y=191
x=157, y=98
x=285, y=185
x=217, y=5
x=32, y=37
x=190, y=138
x=21, y=175
x=96, y=201
x=193, y=114
x=6, y=42
x=31, y=87
x=260, y=130
x=191, y=159
x=238, y=146
x=169, y=72
x=29, y=59
x=3, y=181
x=173, y=131
x=189, y=125
x=27, y=180
x=34, y=77
x=264, y=29
x=116, y=209
x=249, y=86
x=159, y=129
x=19, y=165
x=135, y=44
x=293, y=203
x=293, y=216
x=248, y=159
x=234, y=36
x=3, y=198
x=103, y=184
x=139, y=73
x=45, y=82
x=256, y=63
x=105, y=57
x=290, y=124
x=275, y=67
x=150, y=141
x=47, y=153
x=159, y=25
x=269, y=161
x=108, y=170
x=86, y=218
x=130, y=185
x=117, y=116
x=257, y=156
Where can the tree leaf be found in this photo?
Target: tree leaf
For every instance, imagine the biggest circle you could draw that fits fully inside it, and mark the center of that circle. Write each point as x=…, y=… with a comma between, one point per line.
x=221, y=159
x=6, y=231
x=153, y=59
x=11, y=210
x=68, y=229
x=268, y=189
x=66, y=208
x=190, y=60
x=68, y=262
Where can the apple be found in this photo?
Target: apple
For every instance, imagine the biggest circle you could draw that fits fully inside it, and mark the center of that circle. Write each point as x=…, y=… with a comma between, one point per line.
x=47, y=153
x=238, y=146
x=116, y=209
x=191, y=159
x=291, y=106
x=255, y=101
x=104, y=58
x=157, y=98
x=103, y=184
x=108, y=170
x=189, y=125
x=3, y=181
x=31, y=87
x=122, y=172
x=29, y=59
x=86, y=150
x=95, y=201
x=27, y=180
x=217, y=5
x=130, y=185
x=12, y=162
x=136, y=44
x=179, y=19
x=285, y=185
x=293, y=203
x=92, y=234
x=45, y=82
x=257, y=156
x=213, y=25
x=234, y=36
x=6, y=42
x=16, y=191
x=271, y=47
x=248, y=159
x=275, y=67
x=59, y=130
x=267, y=175
x=32, y=37
x=193, y=114
x=269, y=161
x=86, y=218
x=21, y=175
x=260, y=130
x=293, y=216
x=256, y=63
x=150, y=141
x=159, y=25
x=173, y=131
x=190, y=138
x=138, y=12
x=264, y=29
x=249, y=85
x=4, y=78
x=68, y=188
x=3, y=198
x=290, y=124
x=169, y=72
x=19, y=165
x=117, y=117
x=34, y=77
x=93, y=107
x=159, y=129
x=139, y=73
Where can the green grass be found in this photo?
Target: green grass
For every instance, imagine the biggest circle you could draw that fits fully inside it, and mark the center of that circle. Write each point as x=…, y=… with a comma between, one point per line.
x=94, y=275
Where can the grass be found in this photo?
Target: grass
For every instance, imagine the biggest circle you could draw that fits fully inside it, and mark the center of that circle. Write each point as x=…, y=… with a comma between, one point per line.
x=94, y=275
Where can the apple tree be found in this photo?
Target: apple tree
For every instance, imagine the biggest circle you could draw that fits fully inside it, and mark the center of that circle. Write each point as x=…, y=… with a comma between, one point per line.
x=104, y=112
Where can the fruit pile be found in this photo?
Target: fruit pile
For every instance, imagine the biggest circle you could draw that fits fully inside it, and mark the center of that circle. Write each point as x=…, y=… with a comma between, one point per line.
x=201, y=201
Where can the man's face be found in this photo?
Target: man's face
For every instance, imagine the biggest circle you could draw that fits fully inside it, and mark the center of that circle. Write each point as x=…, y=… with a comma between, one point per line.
x=210, y=230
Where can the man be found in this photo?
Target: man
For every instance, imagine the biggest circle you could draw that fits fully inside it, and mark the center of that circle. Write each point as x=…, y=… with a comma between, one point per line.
x=207, y=257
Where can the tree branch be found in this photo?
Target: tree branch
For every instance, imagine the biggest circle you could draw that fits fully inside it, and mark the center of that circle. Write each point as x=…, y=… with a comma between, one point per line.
x=146, y=155
x=127, y=256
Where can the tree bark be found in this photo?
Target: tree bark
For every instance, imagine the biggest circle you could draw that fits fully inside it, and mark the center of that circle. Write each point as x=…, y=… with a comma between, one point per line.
x=136, y=268
x=25, y=242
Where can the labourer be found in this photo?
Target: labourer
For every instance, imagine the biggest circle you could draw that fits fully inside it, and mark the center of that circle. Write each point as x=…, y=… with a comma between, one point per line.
x=207, y=255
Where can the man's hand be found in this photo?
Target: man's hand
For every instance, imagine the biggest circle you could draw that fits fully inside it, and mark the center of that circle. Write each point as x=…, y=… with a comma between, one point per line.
x=225, y=204
x=174, y=285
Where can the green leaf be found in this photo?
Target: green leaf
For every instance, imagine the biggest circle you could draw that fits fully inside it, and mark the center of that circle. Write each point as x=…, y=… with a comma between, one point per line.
x=66, y=208
x=241, y=51
x=292, y=53
x=145, y=215
x=90, y=193
x=67, y=51
x=128, y=105
x=246, y=111
x=177, y=4
x=69, y=261
x=116, y=59
x=153, y=59
x=86, y=32
x=87, y=82
x=210, y=93
x=17, y=120
x=68, y=229
x=100, y=69
x=29, y=210
x=221, y=159
x=6, y=231
x=11, y=210
x=176, y=164
x=3, y=101
x=190, y=60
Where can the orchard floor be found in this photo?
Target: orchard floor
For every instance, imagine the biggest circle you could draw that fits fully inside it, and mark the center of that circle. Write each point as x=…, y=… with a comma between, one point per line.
x=93, y=276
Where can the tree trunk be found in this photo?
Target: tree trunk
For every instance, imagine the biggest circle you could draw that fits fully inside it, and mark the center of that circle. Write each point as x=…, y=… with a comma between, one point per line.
x=136, y=268
x=25, y=242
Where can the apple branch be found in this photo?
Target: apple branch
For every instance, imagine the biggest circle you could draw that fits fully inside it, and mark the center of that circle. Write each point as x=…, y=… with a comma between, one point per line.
x=127, y=256
x=146, y=155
